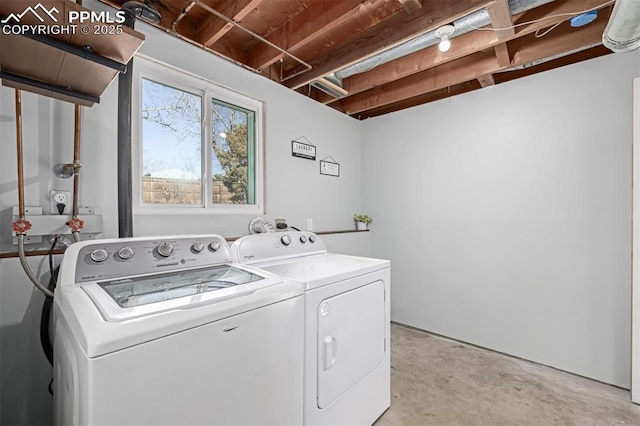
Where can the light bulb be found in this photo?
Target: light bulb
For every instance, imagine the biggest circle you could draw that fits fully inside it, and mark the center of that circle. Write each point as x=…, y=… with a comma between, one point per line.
x=444, y=45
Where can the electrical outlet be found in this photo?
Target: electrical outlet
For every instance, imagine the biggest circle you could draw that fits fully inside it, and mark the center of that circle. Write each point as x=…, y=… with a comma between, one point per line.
x=60, y=197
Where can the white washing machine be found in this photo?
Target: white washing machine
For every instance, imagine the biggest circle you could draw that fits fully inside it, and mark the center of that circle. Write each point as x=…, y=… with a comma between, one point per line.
x=346, y=350
x=168, y=331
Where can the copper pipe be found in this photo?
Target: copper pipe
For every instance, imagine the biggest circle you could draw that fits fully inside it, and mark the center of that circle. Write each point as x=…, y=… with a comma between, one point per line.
x=76, y=161
x=21, y=211
x=20, y=155
x=182, y=14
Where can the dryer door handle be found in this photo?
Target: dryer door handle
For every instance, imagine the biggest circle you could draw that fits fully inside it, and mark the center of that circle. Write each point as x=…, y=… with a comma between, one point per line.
x=329, y=352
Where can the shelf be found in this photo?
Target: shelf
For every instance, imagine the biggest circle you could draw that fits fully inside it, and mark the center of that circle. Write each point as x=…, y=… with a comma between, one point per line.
x=63, y=74
x=7, y=255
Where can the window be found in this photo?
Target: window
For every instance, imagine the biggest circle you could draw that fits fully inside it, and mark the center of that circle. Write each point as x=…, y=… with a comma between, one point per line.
x=199, y=145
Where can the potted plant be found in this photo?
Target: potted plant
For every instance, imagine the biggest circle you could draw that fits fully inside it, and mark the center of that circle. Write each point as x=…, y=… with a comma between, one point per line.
x=362, y=221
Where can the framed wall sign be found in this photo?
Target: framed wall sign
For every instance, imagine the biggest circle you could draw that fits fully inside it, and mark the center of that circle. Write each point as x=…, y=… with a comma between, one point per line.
x=303, y=149
x=329, y=167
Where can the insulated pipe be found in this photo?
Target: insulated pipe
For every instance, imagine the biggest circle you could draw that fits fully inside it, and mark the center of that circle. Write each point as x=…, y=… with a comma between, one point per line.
x=462, y=26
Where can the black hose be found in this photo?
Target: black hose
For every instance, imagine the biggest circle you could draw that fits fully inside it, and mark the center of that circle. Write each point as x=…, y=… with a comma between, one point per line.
x=45, y=338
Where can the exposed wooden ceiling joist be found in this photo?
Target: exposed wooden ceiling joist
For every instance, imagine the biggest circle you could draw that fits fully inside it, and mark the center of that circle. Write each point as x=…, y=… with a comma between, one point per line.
x=500, y=16
x=387, y=34
x=502, y=53
x=411, y=5
x=331, y=35
x=486, y=80
x=302, y=29
x=461, y=70
x=463, y=45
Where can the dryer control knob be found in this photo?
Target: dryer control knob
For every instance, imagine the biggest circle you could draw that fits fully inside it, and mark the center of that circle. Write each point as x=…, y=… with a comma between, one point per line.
x=99, y=255
x=197, y=247
x=286, y=240
x=165, y=249
x=303, y=239
x=125, y=253
x=312, y=238
x=214, y=246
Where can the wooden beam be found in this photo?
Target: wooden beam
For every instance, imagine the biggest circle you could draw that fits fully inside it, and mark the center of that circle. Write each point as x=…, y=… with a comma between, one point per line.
x=487, y=80
x=563, y=39
x=468, y=68
x=304, y=28
x=447, y=92
x=212, y=28
x=419, y=61
x=500, y=15
x=385, y=35
x=502, y=53
x=471, y=67
x=584, y=55
x=463, y=45
x=411, y=5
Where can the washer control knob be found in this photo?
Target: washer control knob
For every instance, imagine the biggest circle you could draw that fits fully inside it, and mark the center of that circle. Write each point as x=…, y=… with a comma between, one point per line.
x=303, y=239
x=165, y=249
x=125, y=253
x=286, y=240
x=197, y=247
x=99, y=255
x=214, y=245
x=312, y=238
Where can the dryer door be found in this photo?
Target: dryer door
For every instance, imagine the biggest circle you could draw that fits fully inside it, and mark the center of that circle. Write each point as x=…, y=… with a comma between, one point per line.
x=351, y=339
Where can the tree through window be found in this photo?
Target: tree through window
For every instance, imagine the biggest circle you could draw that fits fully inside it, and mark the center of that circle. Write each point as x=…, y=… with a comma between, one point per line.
x=183, y=125
x=232, y=156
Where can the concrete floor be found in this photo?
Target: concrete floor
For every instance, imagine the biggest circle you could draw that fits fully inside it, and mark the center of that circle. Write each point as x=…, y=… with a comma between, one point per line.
x=437, y=381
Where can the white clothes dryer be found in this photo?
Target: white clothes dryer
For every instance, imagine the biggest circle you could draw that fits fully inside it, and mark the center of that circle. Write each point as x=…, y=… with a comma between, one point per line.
x=346, y=350
x=168, y=331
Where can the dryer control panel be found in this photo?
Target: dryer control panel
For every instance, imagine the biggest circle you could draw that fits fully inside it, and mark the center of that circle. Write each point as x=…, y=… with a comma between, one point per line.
x=101, y=259
x=274, y=245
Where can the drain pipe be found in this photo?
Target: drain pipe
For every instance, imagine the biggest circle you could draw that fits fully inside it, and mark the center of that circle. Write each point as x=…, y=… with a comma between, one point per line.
x=125, y=197
x=132, y=10
x=21, y=225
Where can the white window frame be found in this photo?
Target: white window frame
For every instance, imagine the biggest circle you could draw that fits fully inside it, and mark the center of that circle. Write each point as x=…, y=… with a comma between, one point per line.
x=145, y=67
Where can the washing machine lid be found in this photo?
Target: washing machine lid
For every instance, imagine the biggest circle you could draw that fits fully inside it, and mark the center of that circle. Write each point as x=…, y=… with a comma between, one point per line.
x=131, y=297
x=323, y=269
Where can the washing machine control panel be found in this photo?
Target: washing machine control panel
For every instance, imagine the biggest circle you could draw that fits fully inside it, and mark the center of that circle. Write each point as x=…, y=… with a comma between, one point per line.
x=101, y=259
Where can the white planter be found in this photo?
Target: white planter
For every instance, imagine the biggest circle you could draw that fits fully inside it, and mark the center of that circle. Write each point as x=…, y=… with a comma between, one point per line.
x=361, y=226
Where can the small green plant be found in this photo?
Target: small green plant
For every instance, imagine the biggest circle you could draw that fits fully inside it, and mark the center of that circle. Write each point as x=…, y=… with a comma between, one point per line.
x=362, y=218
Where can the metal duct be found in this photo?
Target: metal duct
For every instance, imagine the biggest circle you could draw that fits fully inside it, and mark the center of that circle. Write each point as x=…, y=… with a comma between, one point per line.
x=463, y=25
x=623, y=30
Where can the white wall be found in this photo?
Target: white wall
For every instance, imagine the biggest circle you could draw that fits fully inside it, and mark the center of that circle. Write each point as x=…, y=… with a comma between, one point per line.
x=294, y=190
x=506, y=214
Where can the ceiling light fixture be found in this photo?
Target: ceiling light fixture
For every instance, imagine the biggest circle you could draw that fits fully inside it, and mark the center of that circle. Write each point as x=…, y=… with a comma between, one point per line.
x=443, y=33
